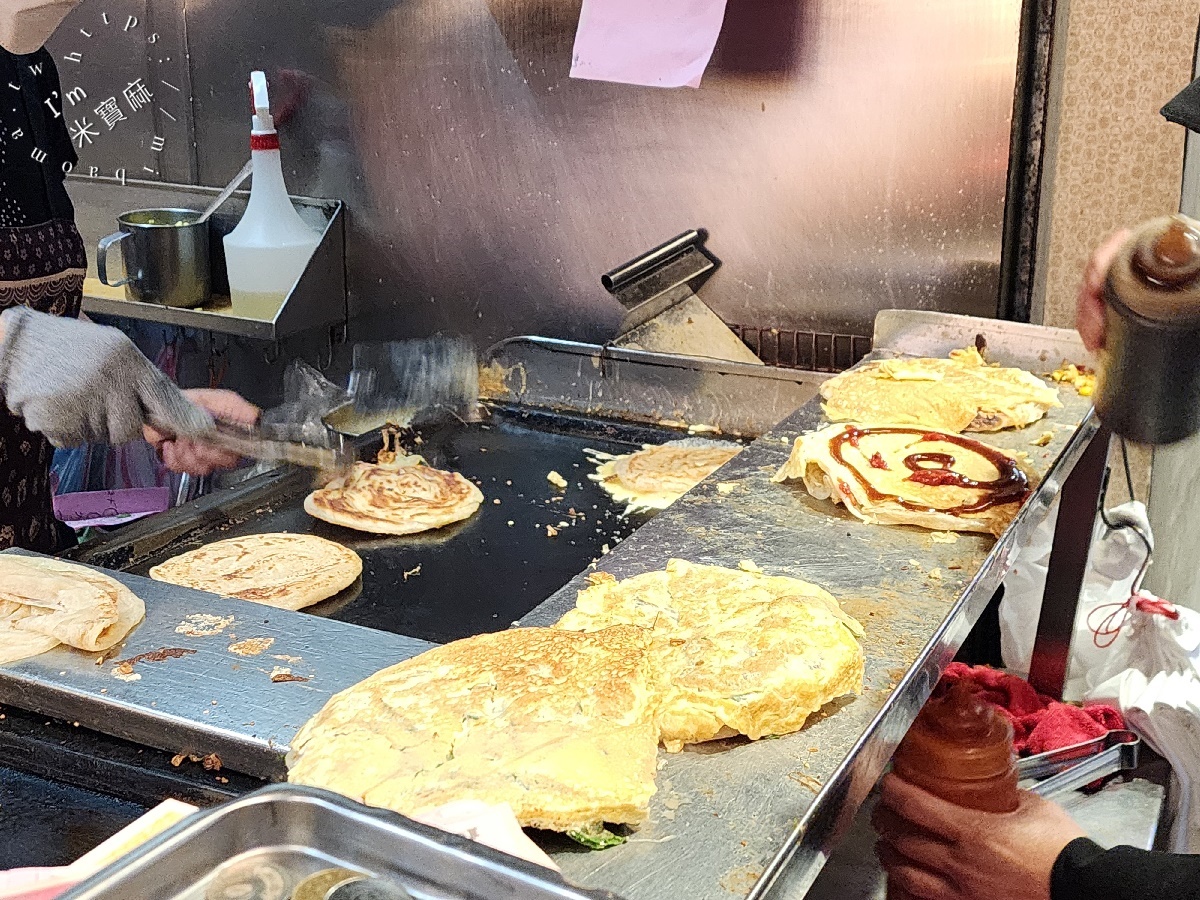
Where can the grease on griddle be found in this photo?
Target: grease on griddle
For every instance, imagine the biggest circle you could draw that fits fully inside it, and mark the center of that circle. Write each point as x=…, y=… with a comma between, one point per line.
x=282, y=674
x=251, y=646
x=123, y=668
x=203, y=625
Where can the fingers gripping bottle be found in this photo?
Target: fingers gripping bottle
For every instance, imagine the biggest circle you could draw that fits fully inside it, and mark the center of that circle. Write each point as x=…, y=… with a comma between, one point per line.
x=268, y=251
x=961, y=749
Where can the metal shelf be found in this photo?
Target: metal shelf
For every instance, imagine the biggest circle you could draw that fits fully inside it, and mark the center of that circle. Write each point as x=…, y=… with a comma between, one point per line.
x=319, y=298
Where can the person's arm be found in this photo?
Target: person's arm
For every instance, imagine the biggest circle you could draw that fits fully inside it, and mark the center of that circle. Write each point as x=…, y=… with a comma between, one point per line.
x=939, y=851
x=78, y=382
x=1085, y=870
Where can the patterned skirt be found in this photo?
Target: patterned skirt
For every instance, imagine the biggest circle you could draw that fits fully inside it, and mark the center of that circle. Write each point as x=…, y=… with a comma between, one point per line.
x=41, y=267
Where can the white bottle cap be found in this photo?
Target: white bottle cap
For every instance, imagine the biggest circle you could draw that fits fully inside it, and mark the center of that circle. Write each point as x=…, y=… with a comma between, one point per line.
x=263, y=122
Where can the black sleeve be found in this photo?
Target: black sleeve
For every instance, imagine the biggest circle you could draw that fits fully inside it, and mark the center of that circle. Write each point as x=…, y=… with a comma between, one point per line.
x=1086, y=871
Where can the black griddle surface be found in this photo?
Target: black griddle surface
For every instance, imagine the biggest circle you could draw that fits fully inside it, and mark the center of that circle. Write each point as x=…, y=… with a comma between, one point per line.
x=483, y=574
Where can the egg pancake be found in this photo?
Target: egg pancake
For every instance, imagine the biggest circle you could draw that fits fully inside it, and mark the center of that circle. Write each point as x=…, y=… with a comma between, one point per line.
x=404, y=498
x=900, y=475
x=558, y=725
x=962, y=393
x=658, y=475
x=46, y=602
x=740, y=652
x=288, y=571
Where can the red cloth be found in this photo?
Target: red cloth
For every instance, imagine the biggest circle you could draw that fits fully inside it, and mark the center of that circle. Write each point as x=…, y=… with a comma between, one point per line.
x=1039, y=722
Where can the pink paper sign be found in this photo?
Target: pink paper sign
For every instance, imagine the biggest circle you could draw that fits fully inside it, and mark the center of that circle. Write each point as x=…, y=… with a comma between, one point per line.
x=656, y=43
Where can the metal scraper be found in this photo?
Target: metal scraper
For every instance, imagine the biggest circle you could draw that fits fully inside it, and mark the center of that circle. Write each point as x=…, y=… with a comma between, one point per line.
x=276, y=444
x=409, y=383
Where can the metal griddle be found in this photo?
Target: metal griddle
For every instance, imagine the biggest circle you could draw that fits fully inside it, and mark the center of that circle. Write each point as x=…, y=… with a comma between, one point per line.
x=476, y=576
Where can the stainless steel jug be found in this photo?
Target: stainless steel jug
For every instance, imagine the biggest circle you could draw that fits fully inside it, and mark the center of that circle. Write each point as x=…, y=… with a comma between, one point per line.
x=1148, y=387
x=166, y=256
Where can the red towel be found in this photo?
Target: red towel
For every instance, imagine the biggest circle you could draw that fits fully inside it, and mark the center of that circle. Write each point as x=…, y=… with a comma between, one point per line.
x=1039, y=722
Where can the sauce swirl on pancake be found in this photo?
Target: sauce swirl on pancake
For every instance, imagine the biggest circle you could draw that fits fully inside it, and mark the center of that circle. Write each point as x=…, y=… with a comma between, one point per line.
x=934, y=469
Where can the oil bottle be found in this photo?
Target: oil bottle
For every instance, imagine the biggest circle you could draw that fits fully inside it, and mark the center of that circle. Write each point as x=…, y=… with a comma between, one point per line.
x=268, y=251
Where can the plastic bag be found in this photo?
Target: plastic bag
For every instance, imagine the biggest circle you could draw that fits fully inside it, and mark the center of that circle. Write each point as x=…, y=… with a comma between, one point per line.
x=1113, y=562
x=1153, y=676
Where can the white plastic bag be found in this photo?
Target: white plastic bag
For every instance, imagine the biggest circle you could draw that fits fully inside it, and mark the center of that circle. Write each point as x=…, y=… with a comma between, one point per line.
x=1153, y=677
x=1113, y=562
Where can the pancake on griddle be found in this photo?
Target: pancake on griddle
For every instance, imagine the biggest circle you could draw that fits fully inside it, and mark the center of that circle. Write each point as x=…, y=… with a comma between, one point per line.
x=658, y=475
x=900, y=475
x=558, y=725
x=739, y=652
x=396, y=495
x=962, y=393
x=46, y=602
x=288, y=571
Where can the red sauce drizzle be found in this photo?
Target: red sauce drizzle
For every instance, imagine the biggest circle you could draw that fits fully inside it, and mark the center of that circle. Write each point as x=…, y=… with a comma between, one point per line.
x=936, y=469
x=878, y=462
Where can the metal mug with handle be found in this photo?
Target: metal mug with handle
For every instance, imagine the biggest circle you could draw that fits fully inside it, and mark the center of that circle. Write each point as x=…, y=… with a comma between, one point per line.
x=166, y=256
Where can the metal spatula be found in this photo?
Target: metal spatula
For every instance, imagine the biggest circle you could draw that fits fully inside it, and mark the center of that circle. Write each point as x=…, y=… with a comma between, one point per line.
x=409, y=383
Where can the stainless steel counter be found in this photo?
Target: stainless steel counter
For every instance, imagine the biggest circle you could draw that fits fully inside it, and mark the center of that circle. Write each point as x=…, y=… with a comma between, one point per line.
x=761, y=818
x=730, y=817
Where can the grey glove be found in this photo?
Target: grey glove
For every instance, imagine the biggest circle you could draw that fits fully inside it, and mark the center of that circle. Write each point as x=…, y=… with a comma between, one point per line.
x=77, y=382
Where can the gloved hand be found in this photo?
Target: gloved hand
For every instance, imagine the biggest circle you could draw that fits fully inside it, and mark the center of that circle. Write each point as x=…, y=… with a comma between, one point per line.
x=77, y=382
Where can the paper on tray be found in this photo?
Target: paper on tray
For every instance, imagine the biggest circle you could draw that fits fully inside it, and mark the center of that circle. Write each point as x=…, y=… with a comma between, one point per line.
x=662, y=43
x=91, y=508
x=492, y=824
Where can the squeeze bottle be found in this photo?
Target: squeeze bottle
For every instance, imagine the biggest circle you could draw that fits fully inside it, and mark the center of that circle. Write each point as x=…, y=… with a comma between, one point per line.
x=267, y=253
x=960, y=749
x=1148, y=385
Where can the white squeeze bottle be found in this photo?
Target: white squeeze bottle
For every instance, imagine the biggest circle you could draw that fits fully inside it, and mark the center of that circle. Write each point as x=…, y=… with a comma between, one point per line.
x=267, y=252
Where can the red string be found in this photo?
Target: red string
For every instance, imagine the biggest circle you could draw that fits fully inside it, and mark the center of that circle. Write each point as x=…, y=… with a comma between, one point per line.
x=1109, y=628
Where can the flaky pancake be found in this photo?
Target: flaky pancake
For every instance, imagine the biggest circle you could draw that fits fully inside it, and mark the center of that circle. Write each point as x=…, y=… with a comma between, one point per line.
x=739, y=652
x=558, y=725
x=403, y=498
x=658, y=475
x=287, y=571
x=45, y=602
x=900, y=475
x=962, y=393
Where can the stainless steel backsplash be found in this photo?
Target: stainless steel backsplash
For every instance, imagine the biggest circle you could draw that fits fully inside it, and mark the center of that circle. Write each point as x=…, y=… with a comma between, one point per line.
x=845, y=155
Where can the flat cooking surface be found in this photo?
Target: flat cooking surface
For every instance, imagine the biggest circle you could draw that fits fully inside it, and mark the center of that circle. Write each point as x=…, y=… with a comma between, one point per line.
x=485, y=573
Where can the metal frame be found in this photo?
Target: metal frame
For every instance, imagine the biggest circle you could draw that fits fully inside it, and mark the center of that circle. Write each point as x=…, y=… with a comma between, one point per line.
x=1077, y=508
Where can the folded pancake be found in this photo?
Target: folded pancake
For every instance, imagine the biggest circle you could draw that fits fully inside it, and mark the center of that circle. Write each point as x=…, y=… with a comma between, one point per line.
x=402, y=497
x=558, y=725
x=658, y=475
x=287, y=571
x=900, y=475
x=962, y=393
x=739, y=652
x=45, y=602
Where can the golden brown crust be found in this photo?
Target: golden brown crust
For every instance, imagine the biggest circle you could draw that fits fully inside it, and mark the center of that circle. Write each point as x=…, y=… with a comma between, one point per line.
x=45, y=602
x=288, y=571
x=403, y=499
x=737, y=651
x=959, y=394
x=556, y=724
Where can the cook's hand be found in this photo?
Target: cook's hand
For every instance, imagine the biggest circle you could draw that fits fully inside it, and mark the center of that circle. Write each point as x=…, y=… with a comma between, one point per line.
x=939, y=851
x=1089, y=306
x=78, y=382
x=198, y=458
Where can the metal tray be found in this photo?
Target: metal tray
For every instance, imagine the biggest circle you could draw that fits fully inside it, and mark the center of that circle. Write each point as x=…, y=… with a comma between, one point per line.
x=299, y=831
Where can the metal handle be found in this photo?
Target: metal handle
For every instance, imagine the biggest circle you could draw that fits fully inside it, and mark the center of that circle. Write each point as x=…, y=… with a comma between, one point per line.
x=1117, y=752
x=102, y=249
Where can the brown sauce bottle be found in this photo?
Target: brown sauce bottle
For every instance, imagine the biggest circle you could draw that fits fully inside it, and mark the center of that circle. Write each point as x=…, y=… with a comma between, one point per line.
x=960, y=748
